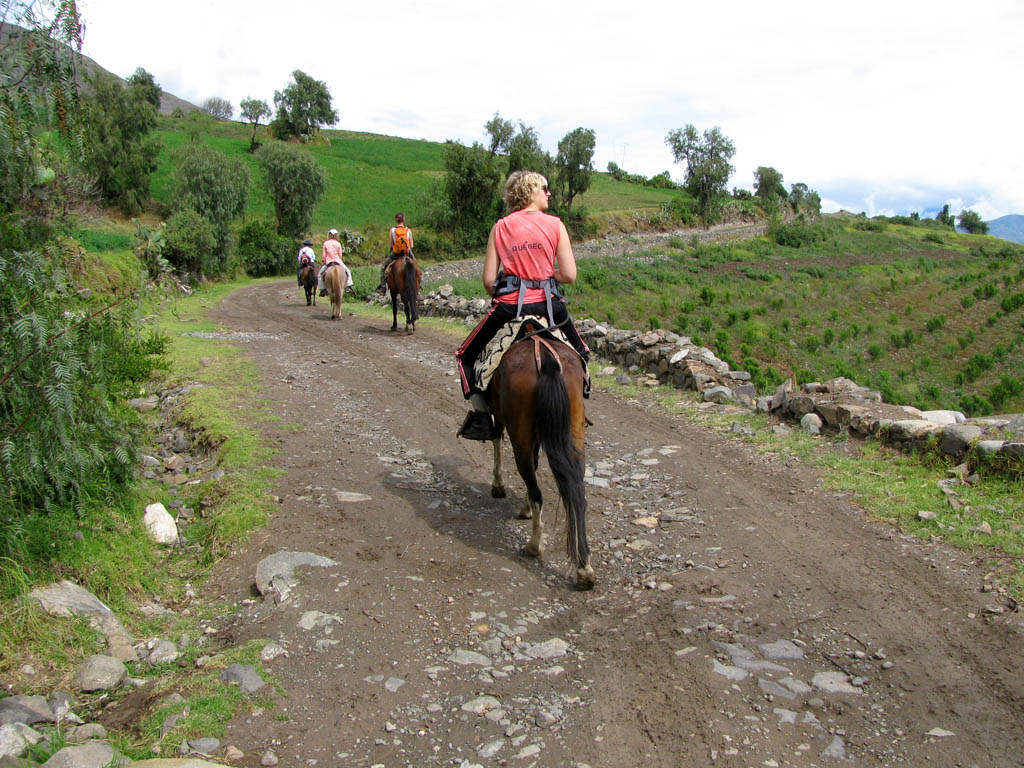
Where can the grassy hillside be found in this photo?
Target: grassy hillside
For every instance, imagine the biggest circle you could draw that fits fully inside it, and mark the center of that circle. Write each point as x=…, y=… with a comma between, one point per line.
x=369, y=177
x=933, y=320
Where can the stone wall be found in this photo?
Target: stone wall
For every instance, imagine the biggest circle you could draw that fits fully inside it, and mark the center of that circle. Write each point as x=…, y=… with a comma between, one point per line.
x=660, y=357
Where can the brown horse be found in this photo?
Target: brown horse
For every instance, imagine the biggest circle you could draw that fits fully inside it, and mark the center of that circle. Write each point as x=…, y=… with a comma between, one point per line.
x=307, y=278
x=537, y=395
x=334, y=280
x=404, y=282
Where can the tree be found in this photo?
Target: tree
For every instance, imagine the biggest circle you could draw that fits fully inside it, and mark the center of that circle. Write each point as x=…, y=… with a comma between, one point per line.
x=144, y=80
x=801, y=196
x=575, y=163
x=38, y=86
x=303, y=107
x=215, y=187
x=768, y=184
x=971, y=221
x=471, y=186
x=501, y=132
x=707, y=165
x=119, y=151
x=945, y=218
x=254, y=110
x=297, y=183
x=218, y=108
x=526, y=154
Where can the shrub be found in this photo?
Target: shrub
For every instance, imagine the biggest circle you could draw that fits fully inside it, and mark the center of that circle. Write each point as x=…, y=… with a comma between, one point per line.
x=935, y=323
x=190, y=243
x=217, y=188
x=797, y=234
x=1007, y=389
x=66, y=365
x=869, y=225
x=263, y=251
x=1012, y=303
x=874, y=351
x=933, y=237
x=975, y=405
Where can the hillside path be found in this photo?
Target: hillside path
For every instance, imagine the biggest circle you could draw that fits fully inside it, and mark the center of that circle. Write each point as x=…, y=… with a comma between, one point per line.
x=763, y=622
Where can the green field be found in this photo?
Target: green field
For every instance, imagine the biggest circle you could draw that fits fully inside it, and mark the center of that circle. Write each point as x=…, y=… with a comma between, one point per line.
x=369, y=178
x=935, y=325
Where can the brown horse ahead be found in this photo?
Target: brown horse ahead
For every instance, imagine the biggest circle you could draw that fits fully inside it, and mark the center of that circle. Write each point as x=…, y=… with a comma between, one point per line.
x=537, y=395
x=334, y=280
x=307, y=278
x=404, y=282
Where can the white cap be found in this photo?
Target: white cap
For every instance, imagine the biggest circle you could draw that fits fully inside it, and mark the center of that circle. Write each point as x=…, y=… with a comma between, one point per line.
x=332, y=231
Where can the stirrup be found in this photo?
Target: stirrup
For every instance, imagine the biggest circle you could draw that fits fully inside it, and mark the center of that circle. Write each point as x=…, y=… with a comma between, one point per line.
x=477, y=426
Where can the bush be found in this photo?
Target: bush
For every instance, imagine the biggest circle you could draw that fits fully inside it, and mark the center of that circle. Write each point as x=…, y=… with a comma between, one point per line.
x=217, y=188
x=934, y=237
x=797, y=234
x=67, y=364
x=190, y=244
x=263, y=252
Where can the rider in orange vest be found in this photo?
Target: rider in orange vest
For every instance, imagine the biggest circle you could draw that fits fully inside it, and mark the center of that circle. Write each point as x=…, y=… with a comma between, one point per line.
x=400, y=244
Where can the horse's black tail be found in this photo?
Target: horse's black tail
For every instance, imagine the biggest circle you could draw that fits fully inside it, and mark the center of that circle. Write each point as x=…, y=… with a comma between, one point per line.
x=409, y=290
x=554, y=431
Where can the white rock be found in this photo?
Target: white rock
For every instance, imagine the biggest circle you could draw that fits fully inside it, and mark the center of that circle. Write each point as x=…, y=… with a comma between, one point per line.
x=834, y=682
x=161, y=526
x=553, y=648
x=481, y=705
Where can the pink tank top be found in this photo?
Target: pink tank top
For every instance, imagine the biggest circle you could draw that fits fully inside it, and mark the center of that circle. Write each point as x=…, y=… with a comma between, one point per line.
x=526, y=242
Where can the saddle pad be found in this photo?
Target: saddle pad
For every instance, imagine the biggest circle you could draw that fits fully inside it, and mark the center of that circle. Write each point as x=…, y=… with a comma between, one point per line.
x=506, y=336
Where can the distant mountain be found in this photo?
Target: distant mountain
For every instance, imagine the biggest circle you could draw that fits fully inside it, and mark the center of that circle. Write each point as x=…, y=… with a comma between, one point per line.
x=1008, y=227
x=168, y=101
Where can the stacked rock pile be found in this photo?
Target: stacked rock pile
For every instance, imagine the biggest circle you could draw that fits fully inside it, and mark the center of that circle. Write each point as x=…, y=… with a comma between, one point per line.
x=663, y=357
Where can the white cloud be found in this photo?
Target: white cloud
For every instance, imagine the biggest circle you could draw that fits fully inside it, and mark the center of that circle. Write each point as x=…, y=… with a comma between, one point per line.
x=880, y=96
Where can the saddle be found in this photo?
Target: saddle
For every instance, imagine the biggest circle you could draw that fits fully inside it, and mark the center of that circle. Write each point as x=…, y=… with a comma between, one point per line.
x=509, y=334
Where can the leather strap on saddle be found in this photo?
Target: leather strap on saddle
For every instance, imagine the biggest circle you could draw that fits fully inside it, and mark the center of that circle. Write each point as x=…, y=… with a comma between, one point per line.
x=539, y=342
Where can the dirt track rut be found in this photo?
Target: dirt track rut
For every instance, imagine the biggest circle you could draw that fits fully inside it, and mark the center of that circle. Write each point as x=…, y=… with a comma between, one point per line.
x=764, y=621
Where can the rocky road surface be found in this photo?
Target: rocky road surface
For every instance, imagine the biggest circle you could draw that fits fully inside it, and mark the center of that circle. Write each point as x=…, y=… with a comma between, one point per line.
x=743, y=616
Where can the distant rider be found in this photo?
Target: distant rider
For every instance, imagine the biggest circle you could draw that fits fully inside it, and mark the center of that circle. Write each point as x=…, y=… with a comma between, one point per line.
x=534, y=255
x=400, y=244
x=332, y=255
x=306, y=256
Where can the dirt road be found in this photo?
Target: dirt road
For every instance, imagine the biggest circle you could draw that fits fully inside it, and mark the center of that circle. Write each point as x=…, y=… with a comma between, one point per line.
x=762, y=622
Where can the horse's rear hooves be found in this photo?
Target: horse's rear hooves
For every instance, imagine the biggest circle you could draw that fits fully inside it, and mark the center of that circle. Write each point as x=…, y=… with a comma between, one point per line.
x=527, y=551
x=497, y=492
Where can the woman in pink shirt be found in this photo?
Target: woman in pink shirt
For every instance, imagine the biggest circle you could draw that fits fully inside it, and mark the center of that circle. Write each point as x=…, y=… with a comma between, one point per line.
x=528, y=255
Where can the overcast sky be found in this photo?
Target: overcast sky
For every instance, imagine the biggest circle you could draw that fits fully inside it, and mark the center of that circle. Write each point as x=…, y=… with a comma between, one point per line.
x=884, y=107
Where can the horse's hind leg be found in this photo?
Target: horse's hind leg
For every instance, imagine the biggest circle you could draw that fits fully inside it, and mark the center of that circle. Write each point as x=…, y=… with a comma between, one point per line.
x=497, y=486
x=534, y=507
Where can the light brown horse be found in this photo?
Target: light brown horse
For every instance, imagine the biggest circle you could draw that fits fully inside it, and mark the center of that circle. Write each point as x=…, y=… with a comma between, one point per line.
x=404, y=282
x=334, y=280
x=536, y=394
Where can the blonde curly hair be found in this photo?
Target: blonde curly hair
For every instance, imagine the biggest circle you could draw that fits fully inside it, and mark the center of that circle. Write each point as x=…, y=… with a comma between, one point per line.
x=520, y=189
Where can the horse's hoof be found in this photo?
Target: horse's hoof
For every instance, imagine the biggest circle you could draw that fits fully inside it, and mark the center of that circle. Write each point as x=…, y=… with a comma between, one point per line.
x=497, y=492
x=585, y=579
x=529, y=551
x=525, y=514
